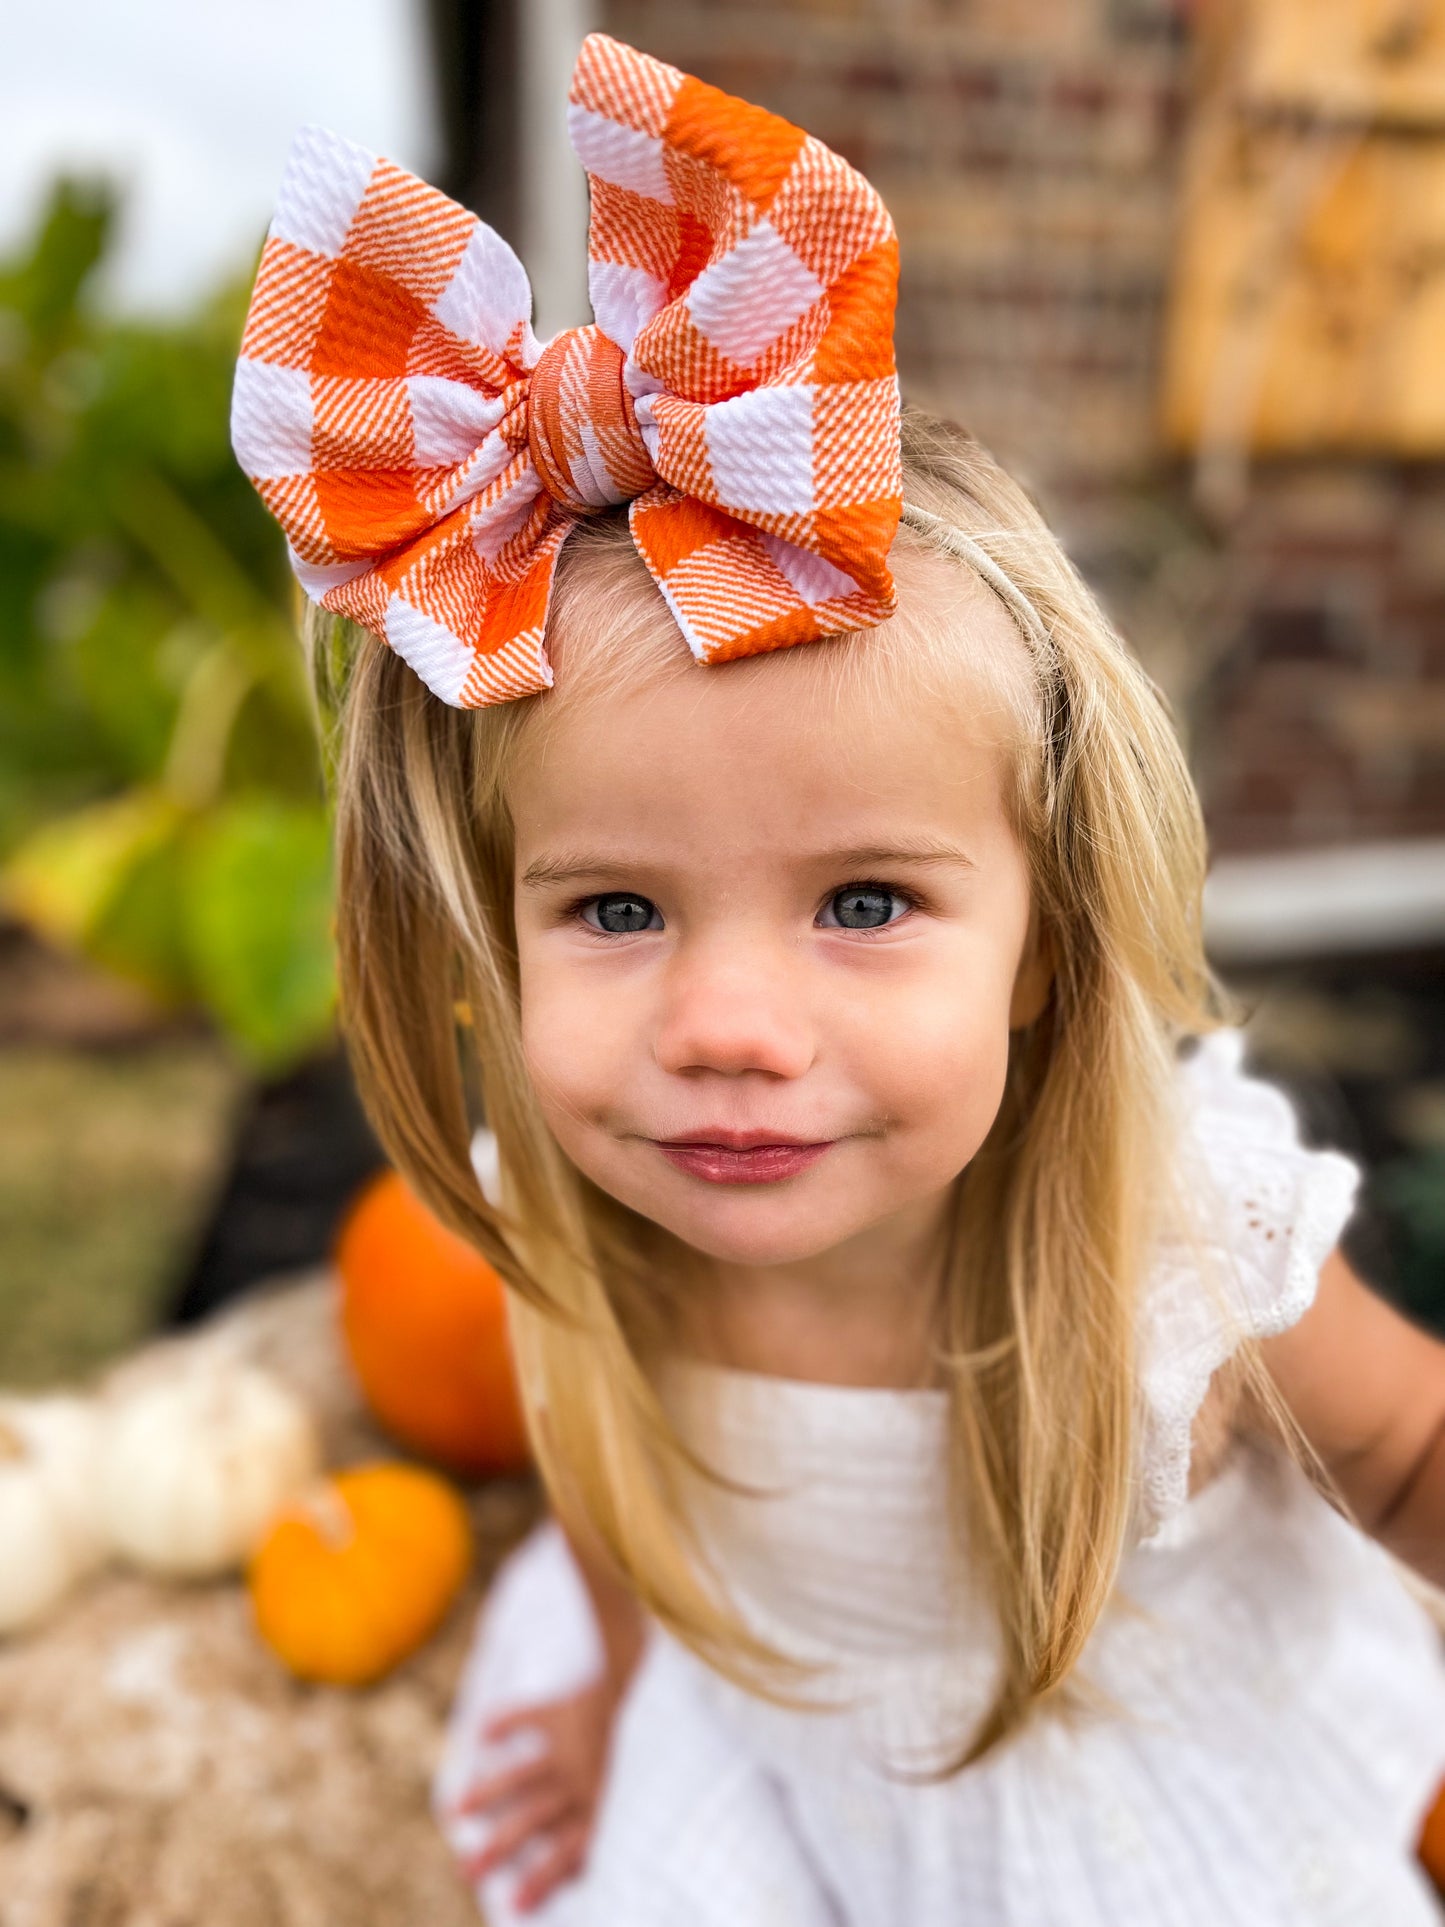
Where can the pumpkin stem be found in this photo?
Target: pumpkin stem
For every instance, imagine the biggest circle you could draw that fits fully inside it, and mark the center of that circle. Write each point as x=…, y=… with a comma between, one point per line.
x=12, y=1446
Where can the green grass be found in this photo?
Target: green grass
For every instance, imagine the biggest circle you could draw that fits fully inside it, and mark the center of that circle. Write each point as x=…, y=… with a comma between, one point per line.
x=107, y=1163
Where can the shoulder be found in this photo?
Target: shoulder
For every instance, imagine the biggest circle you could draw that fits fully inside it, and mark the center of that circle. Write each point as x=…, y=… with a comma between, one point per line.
x=1259, y=1199
x=1259, y=1213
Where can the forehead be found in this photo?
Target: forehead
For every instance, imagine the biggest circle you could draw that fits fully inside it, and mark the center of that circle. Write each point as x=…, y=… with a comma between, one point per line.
x=907, y=727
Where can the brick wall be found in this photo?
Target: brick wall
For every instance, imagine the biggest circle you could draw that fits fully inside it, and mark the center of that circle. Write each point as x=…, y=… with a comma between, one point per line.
x=1323, y=718
x=1029, y=151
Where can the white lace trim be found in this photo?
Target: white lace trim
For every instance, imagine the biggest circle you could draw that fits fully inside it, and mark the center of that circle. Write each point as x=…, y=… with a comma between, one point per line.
x=1270, y=1212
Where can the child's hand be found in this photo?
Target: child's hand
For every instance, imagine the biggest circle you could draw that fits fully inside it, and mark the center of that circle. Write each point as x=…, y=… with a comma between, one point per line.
x=552, y=1797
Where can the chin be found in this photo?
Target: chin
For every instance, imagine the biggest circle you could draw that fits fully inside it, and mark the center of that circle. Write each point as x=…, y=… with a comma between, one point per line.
x=755, y=1231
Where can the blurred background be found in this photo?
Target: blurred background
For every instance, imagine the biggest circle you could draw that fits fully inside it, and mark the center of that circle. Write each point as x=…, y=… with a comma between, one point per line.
x=1181, y=264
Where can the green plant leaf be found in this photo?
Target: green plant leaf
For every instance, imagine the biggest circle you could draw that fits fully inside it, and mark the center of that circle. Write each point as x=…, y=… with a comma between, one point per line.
x=258, y=917
x=141, y=932
x=45, y=287
x=66, y=877
x=117, y=669
x=273, y=750
x=147, y=640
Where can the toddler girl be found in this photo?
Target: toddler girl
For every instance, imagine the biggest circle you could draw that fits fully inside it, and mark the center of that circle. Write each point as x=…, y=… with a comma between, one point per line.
x=910, y=1286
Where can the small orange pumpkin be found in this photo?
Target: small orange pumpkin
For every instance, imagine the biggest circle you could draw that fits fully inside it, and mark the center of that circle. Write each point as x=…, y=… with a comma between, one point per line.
x=1431, y=1847
x=425, y=1323
x=358, y=1571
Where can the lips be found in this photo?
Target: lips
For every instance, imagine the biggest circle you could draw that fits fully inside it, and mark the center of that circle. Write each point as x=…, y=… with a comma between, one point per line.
x=742, y=1157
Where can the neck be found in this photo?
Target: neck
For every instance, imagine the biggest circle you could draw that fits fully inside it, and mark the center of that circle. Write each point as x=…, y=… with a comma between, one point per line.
x=861, y=1313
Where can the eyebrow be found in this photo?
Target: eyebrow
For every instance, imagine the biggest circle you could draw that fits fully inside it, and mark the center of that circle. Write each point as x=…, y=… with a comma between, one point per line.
x=551, y=872
x=882, y=856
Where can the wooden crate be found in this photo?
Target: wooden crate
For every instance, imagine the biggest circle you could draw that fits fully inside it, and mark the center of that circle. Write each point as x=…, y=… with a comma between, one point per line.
x=1307, y=303
x=1375, y=61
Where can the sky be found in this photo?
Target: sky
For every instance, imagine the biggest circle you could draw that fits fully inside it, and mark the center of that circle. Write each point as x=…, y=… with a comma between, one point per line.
x=190, y=106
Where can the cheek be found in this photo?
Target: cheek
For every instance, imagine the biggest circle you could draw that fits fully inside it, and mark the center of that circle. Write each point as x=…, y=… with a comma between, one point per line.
x=572, y=1038
x=937, y=1069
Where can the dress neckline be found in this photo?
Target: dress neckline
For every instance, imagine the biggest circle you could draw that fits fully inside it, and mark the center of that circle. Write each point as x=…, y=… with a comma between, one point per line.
x=702, y=1371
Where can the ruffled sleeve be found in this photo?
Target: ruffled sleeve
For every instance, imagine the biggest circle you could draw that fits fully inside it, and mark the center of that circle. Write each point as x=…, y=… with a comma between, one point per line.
x=1269, y=1213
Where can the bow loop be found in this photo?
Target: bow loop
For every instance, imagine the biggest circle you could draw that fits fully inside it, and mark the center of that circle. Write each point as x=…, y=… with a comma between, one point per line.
x=427, y=460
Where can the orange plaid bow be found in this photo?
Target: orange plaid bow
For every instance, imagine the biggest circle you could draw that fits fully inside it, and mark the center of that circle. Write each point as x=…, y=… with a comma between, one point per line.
x=427, y=460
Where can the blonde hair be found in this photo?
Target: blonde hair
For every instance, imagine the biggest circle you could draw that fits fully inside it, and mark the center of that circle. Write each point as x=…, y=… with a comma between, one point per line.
x=1056, y=1214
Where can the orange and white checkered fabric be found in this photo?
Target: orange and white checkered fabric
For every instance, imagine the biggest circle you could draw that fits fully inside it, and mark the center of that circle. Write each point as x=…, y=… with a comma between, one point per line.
x=427, y=459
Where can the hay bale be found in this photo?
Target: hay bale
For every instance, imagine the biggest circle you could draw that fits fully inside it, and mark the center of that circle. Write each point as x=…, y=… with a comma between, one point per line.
x=158, y=1767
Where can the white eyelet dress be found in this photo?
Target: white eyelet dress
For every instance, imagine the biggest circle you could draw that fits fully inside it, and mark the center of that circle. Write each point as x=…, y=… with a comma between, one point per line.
x=1264, y=1721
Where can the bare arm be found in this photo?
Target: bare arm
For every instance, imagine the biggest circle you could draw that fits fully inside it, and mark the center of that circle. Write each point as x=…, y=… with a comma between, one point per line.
x=1367, y=1389
x=552, y=1797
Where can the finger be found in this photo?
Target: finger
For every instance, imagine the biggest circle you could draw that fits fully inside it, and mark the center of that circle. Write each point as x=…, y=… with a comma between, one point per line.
x=563, y=1862
x=519, y=1720
x=537, y=1816
x=530, y=1776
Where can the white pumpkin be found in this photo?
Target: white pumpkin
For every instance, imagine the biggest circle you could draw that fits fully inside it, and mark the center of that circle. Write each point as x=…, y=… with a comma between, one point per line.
x=48, y=1539
x=195, y=1464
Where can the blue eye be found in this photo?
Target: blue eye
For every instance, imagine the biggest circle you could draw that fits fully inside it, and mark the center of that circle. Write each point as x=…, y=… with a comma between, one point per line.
x=621, y=913
x=862, y=906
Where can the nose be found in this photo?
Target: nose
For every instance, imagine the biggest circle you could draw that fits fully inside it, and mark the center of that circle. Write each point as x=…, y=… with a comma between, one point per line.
x=733, y=1007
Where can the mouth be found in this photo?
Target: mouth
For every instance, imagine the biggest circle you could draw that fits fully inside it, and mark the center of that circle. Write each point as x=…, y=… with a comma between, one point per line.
x=742, y=1157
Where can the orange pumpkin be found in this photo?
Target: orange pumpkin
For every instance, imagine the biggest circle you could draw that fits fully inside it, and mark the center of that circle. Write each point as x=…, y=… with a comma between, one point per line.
x=425, y=1324
x=1431, y=1847
x=358, y=1571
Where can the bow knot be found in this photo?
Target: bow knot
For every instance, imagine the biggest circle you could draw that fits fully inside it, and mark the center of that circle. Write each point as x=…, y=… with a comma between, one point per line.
x=427, y=460
x=582, y=427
